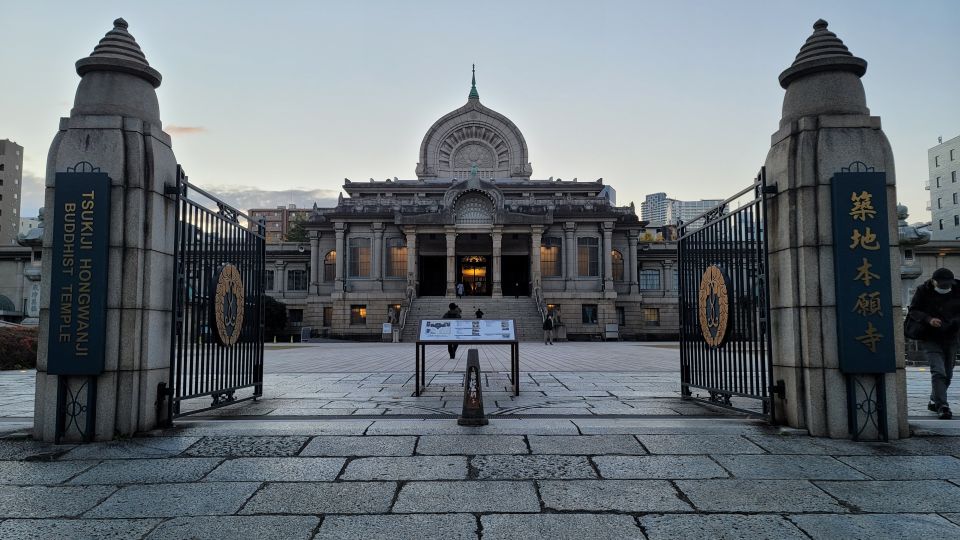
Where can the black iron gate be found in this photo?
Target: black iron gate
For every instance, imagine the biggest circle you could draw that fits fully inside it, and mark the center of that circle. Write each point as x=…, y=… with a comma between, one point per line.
x=725, y=342
x=217, y=335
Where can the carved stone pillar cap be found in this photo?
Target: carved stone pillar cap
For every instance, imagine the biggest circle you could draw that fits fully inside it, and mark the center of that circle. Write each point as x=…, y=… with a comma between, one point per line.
x=823, y=51
x=119, y=51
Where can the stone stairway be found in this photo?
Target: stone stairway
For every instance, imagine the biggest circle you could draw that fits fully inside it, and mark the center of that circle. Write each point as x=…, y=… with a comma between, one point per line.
x=522, y=310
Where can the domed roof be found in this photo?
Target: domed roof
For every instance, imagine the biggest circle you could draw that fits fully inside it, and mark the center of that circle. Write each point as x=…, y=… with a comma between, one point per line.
x=823, y=51
x=119, y=51
x=473, y=139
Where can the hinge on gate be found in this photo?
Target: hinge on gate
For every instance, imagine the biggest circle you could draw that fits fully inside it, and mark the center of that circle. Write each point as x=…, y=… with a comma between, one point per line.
x=770, y=189
x=779, y=389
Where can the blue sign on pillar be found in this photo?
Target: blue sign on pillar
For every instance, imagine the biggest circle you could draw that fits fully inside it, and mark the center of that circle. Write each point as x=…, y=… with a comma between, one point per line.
x=78, y=274
x=861, y=254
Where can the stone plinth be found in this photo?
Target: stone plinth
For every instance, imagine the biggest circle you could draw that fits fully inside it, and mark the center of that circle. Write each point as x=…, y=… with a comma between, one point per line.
x=826, y=126
x=115, y=127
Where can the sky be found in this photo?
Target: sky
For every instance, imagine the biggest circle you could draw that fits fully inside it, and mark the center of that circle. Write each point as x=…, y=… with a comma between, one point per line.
x=277, y=102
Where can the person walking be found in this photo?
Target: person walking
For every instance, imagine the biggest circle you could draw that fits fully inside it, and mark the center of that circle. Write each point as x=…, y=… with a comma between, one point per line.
x=459, y=290
x=934, y=321
x=478, y=313
x=548, y=330
x=452, y=313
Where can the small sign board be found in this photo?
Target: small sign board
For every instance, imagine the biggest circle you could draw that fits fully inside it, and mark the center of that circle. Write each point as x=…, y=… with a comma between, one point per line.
x=467, y=330
x=78, y=275
x=861, y=254
x=387, y=328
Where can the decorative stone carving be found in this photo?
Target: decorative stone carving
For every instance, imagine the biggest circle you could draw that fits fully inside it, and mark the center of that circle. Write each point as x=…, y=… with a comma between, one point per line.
x=474, y=208
x=473, y=155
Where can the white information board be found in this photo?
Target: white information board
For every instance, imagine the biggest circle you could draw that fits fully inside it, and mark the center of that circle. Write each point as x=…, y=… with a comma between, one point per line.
x=467, y=330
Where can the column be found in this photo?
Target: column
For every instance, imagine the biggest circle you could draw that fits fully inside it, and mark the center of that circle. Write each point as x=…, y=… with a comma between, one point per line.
x=451, y=262
x=341, y=231
x=315, y=261
x=497, y=236
x=536, y=238
x=569, y=253
x=608, y=256
x=376, y=260
x=632, y=263
x=280, y=277
x=825, y=127
x=411, y=258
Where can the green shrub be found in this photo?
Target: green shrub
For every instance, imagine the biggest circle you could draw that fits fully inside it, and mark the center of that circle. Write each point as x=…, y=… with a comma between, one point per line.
x=18, y=347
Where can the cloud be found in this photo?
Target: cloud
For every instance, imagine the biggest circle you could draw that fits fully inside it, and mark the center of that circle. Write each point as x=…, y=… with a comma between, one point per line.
x=184, y=130
x=32, y=188
x=244, y=198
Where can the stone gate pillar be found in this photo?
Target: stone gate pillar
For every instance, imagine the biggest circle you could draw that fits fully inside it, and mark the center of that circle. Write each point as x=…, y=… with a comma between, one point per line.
x=114, y=127
x=826, y=126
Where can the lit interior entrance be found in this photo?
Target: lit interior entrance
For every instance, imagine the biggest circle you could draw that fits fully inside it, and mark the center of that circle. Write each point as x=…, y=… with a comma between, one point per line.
x=475, y=273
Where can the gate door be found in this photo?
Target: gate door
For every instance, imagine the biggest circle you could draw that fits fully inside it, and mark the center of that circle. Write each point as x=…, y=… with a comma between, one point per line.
x=217, y=345
x=724, y=304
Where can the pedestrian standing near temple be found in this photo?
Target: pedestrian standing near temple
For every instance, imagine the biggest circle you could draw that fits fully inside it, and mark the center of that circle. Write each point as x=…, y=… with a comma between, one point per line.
x=478, y=313
x=548, y=330
x=459, y=290
x=452, y=313
x=934, y=321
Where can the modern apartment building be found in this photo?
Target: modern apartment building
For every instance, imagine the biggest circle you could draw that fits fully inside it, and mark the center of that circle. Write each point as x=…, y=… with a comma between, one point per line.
x=660, y=210
x=279, y=220
x=11, y=174
x=943, y=162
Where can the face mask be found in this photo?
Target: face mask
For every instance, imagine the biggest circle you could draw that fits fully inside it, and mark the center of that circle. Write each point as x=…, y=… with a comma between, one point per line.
x=942, y=291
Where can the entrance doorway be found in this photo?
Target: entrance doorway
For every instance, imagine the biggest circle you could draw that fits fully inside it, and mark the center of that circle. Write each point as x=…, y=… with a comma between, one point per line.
x=433, y=275
x=516, y=275
x=474, y=272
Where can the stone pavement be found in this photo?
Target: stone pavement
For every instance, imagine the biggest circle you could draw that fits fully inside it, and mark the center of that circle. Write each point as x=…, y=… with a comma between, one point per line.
x=347, y=379
x=515, y=478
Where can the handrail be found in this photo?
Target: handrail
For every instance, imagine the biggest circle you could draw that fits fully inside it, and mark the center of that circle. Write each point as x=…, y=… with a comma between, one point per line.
x=404, y=309
x=541, y=307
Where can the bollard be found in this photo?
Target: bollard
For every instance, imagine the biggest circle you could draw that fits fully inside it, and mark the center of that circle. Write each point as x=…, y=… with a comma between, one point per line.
x=472, y=414
x=274, y=338
x=291, y=338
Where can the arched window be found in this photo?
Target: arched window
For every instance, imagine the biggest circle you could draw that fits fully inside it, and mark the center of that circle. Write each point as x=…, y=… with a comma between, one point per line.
x=617, y=259
x=330, y=266
x=358, y=261
x=474, y=208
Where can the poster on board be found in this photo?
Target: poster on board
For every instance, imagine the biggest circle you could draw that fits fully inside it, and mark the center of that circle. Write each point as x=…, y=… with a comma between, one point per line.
x=467, y=330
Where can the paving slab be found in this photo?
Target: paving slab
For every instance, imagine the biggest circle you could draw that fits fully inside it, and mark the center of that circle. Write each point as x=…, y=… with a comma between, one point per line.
x=175, y=500
x=788, y=467
x=420, y=526
x=147, y=471
x=306, y=427
x=259, y=527
x=804, y=445
x=288, y=469
x=247, y=446
x=19, y=449
x=407, y=468
x=532, y=467
x=471, y=444
x=322, y=498
x=497, y=426
x=905, y=467
x=953, y=517
x=896, y=495
x=757, y=496
x=370, y=445
x=616, y=495
x=658, y=467
x=87, y=529
x=873, y=526
x=49, y=502
x=27, y=473
x=491, y=496
x=719, y=526
x=585, y=444
x=698, y=444
x=559, y=526
x=137, y=448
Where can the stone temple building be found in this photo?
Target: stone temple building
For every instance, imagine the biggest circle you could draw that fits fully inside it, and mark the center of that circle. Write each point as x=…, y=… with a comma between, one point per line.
x=395, y=250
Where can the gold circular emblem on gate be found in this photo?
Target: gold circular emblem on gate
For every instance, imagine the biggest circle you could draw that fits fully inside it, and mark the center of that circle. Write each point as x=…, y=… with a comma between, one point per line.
x=714, y=306
x=228, y=305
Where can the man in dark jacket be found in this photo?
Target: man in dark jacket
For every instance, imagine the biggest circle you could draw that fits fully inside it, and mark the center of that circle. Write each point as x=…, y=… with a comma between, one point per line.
x=452, y=313
x=936, y=305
